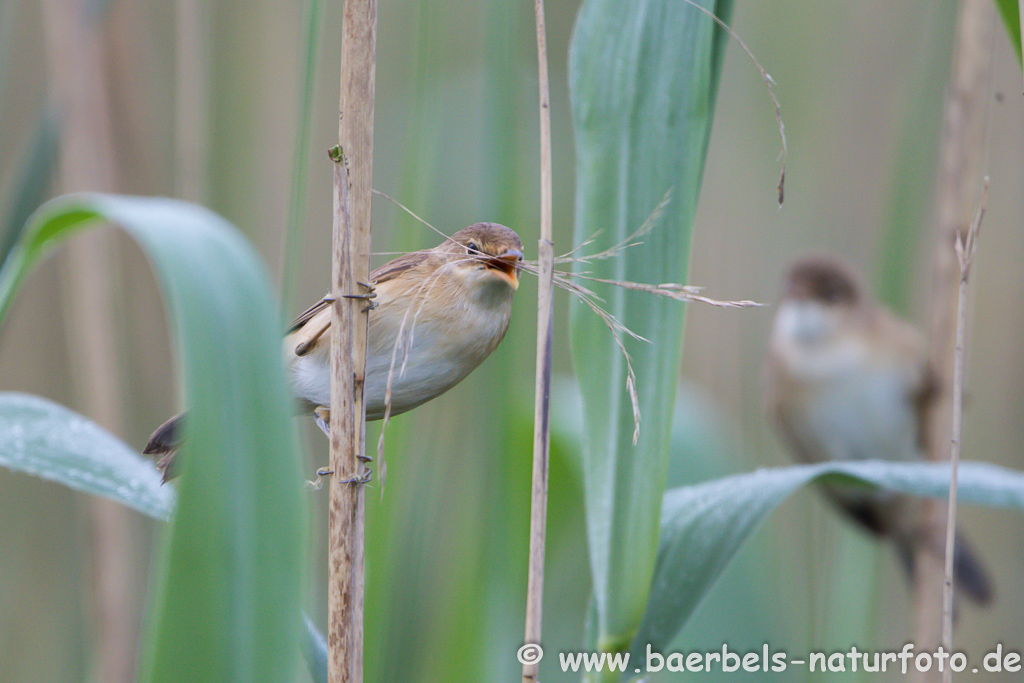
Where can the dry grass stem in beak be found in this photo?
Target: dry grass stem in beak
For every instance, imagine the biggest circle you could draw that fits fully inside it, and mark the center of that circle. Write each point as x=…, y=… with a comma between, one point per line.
x=507, y=266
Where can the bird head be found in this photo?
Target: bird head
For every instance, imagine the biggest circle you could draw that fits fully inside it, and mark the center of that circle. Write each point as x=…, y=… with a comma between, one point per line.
x=486, y=253
x=819, y=296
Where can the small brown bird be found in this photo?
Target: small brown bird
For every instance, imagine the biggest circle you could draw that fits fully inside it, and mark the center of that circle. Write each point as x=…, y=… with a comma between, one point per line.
x=437, y=315
x=847, y=380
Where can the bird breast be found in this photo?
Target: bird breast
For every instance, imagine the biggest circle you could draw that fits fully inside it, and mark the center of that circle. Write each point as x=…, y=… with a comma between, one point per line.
x=421, y=351
x=838, y=403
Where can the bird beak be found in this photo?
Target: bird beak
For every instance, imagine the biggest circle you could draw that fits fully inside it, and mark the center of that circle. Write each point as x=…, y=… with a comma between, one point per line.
x=507, y=266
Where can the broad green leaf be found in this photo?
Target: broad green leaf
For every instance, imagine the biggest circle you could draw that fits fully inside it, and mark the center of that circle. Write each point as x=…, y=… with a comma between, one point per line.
x=226, y=601
x=47, y=440
x=1010, y=12
x=703, y=526
x=643, y=77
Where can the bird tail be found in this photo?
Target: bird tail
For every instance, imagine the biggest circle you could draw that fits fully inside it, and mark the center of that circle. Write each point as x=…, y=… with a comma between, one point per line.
x=969, y=574
x=164, y=442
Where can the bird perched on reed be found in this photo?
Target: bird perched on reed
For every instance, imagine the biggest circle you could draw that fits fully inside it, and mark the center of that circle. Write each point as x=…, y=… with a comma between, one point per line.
x=847, y=380
x=437, y=315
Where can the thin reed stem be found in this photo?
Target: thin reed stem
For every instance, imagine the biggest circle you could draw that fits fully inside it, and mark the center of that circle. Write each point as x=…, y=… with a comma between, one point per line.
x=191, y=99
x=353, y=173
x=530, y=658
x=960, y=166
x=965, y=249
x=80, y=64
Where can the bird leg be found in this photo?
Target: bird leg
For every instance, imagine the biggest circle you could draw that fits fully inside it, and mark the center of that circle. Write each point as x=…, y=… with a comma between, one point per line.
x=360, y=479
x=322, y=418
x=363, y=477
x=371, y=293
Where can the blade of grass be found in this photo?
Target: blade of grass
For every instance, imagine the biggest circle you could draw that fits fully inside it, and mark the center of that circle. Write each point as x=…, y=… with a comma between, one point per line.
x=47, y=440
x=704, y=525
x=643, y=79
x=225, y=605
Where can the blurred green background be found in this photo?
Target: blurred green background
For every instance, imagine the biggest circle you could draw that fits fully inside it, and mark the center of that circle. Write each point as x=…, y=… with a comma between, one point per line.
x=204, y=104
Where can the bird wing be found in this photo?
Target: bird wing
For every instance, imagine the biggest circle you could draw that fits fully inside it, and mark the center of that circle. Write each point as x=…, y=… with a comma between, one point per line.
x=923, y=398
x=394, y=268
x=309, y=313
x=926, y=385
x=781, y=384
x=307, y=329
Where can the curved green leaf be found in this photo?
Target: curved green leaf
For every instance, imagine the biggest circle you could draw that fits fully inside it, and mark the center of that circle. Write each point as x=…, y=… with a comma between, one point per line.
x=643, y=77
x=226, y=601
x=47, y=440
x=703, y=526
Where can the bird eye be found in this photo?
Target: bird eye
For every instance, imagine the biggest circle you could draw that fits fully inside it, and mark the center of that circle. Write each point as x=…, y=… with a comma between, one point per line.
x=472, y=249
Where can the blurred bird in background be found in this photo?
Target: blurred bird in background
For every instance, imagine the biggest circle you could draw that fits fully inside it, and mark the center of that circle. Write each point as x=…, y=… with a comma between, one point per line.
x=847, y=380
x=437, y=315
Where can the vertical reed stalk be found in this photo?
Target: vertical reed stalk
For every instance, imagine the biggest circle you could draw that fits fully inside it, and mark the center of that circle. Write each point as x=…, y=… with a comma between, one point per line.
x=191, y=99
x=960, y=163
x=78, y=56
x=353, y=177
x=542, y=395
x=965, y=249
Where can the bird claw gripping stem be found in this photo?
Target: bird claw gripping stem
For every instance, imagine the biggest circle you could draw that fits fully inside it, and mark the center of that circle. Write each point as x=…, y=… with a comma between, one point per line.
x=364, y=477
x=368, y=296
x=361, y=479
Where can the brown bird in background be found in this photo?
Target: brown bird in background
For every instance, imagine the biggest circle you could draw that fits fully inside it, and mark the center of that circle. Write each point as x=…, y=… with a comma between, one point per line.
x=437, y=315
x=847, y=380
